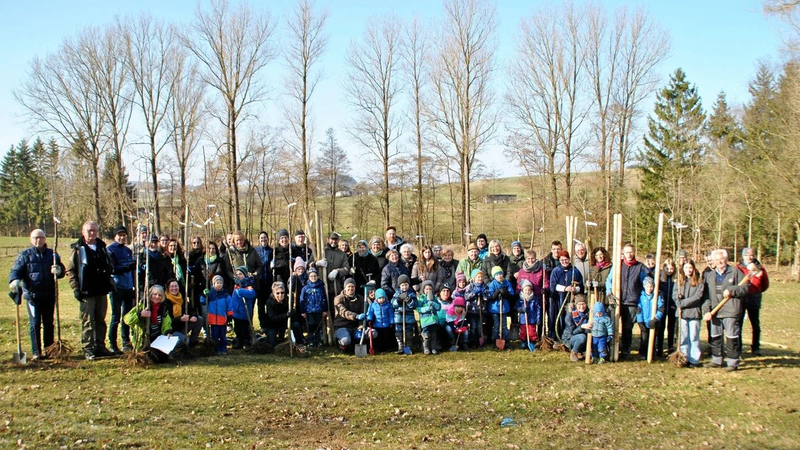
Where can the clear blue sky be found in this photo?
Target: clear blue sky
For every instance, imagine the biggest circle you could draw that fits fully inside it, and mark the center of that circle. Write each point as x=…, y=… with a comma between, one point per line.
x=718, y=44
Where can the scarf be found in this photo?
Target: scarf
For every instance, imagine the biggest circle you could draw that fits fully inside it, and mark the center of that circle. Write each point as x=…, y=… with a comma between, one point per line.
x=154, y=307
x=211, y=259
x=630, y=263
x=537, y=265
x=602, y=265
x=176, y=264
x=177, y=303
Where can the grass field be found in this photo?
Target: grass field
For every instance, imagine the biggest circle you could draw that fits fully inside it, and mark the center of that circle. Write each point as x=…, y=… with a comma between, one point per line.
x=457, y=399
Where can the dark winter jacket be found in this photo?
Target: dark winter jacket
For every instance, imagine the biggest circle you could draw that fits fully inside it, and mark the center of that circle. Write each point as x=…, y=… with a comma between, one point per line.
x=690, y=300
x=304, y=252
x=500, y=291
x=665, y=288
x=502, y=260
x=246, y=256
x=448, y=274
x=282, y=265
x=715, y=285
x=389, y=277
x=534, y=311
x=476, y=297
x=313, y=299
x=404, y=301
x=220, y=306
x=89, y=271
x=347, y=308
x=381, y=258
x=398, y=242
x=367, y=269
x=562, y=278
x=265, y=254
x=33, y=267
x=631, y=278
x=409, y=266
x=337, y=260
x=160, y=269
x=124, y=265
x=277, y=314
x=210, y=269
x=549, y=263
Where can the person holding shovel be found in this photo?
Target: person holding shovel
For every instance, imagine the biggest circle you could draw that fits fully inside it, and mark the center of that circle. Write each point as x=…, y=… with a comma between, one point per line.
x=349, y=314
x=725, y=284
x=33, y=270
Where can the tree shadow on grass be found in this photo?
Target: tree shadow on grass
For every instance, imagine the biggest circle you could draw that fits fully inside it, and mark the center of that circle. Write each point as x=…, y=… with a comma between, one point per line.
x=770, y=358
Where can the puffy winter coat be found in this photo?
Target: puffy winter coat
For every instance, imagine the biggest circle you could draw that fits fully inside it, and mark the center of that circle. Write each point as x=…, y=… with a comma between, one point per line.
x=381, y=315
x=500, y=291
x=534, y=311
x=220, y=306
x=476, y=297
x=367, y=269
x=645, y=311
x=33, y=267
x=409, y=305
x=124, y=265
x=240, y=296
x=389, y=277
x=428, y=310
x=502, y=260
x=603, y=325
x=313, y=298
x=265, y=253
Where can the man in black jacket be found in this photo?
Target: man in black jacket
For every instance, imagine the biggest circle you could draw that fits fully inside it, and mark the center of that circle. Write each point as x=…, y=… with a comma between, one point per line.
x=89, y=270
x=632, y=275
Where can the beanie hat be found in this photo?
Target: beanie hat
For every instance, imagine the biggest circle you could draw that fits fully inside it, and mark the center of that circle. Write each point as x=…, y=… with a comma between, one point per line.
x=120, y=229
x=403, y=279
x=362, y=241
x=298, y=262
x=349, y=281
x=648, y=280
x=214, y=280
x=476, y=272
x=446, y=286
x=460, y=276
x=312, y=270
x=283, y=232
x=459, y=301
x=580, y=298
x=299, y=233
x=242, y=269
x=496, y=270
x=516, y=244
x=380, y=293
x=524, y=283
x=153, y=238
x=334, y=235
x=425, y=283
x=598, y=307
x=482, y=236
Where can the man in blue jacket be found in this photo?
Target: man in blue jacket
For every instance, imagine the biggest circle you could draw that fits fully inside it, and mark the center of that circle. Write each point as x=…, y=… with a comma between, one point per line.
x=33, y=270
x=121, y=300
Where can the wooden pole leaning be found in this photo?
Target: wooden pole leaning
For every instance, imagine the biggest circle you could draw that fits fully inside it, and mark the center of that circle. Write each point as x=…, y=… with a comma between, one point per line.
x=616, y=272
x=656, y=282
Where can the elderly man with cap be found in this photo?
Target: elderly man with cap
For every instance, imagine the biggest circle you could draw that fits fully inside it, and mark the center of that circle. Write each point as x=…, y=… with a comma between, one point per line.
x=89, y=270
x=724, y=282
x=470, y=263
x=121, y=299
x=32, y=276
x=349, y=314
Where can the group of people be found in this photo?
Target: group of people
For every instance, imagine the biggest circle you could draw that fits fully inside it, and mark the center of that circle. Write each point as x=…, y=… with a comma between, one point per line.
x=383, y=295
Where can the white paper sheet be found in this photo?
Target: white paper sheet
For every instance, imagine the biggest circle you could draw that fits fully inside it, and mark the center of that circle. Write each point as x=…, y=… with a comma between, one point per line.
x=165, y=344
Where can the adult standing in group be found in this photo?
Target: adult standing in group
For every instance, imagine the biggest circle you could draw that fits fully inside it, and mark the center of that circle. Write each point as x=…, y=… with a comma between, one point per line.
x=122, y=298
x=89, y=270
x=550, y=262
x=759, y=283
x=32, y=272
x=212, y=265
x=391, y=272
x=408, y=259
x=344, y=245
x=301, y=249
x=517, y=258
x=670, y=320
x=178, y=260
x=377, y=250
x=721, y=283
x=482, y=242
x=427, y=268
x=264, y=278
x=157, y=266
x=632, y=275
x=448, y=266
x=337, y=264
x=566, y=283
x=581, y=260
x=392, y=240
x=366, y=265
x=195, y=269
x=242, y=254
x=470, y=263
x=349, y=314
x=282, y=264
x=496, y=258
x=598, y=274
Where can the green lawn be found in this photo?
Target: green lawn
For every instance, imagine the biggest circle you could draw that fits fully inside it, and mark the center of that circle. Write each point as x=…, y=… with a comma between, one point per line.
x=456, y=399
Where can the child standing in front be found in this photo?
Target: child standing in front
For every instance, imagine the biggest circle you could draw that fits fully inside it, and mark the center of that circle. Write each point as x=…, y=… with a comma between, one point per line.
x=457, y=322
x=427, y=307
x=244, y=298
x=644, y=313
x=602, y=333
x=501, y=294
x=220, y=307
x=404, y=303
x=475, y=297
x=529, y=314
x=445, y=334
x=313, y=307
x=380, y=317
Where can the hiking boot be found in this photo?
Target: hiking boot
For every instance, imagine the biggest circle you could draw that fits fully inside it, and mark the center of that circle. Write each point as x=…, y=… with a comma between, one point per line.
x=732, y=368
x=435, y=352
x=115, y=350
x=573, y=357
x=400, y=351
x=711, y=365
x=104, y=353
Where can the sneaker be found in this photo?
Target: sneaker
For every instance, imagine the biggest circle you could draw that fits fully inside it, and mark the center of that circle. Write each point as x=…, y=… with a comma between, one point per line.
x=427, y=352
x=523, y=345
x=400, y=351
x=35, y=357
x=601, y=361
x=573, y=356
x=435, y=352
x=711, y=365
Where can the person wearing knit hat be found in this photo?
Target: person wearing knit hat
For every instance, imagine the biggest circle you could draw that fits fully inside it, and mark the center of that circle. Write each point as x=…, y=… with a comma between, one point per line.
x=457, y=325
x=404, y=303
x=445, y=297
x=283, y=232
x=427, y=308
x=476, y=297
x=219, y=305
x=471, y=262
x=349, y=309
x=644, y=314
x=517, y=259
x=298, y=281
x=380, y=316
x=482, y=242
x=529, y=311
x=501, y=295
x=577, y=328
x=565, y=283
x=313, y=307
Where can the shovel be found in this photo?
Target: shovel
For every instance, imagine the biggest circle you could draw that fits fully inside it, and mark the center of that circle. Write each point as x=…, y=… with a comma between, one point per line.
x=19, y=356
x=481, y=339
x=406, y=348
x=500, y=342
x=531, y=347
x=361, y=349
x=371, y=347
x=454, y=348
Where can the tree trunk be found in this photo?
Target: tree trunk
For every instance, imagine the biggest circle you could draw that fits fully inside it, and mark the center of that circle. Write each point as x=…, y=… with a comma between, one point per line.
x=237, y=224
x=156, y=196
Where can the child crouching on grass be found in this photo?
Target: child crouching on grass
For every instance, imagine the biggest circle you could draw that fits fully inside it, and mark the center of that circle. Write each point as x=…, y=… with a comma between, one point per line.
x=457, y=323
x=529, y=314
x=220, y=307
x=380, y=317
x=427, y=307
x=602, y=333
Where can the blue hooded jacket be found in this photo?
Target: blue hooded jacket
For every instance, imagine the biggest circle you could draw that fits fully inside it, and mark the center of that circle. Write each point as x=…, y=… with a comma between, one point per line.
x=313, y=298
x=243, y=292
x=381, y=315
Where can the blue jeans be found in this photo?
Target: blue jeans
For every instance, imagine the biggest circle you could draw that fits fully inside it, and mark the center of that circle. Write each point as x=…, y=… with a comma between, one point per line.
x=40, y=317
x=496, y=326
x=475, y=327
x=121, y=303
x=600, y=346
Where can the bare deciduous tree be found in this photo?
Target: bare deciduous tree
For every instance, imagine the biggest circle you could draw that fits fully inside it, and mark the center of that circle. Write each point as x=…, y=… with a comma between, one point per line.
x=233, y=46
x=462, y=67
x=305, y=44
x=372, y=89
x=333, y=165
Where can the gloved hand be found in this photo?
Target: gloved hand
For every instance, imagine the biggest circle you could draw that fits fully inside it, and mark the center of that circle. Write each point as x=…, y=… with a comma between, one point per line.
x=352, y=271
x=17, y=299
x=461, y=330
x=653, y=323
x=13, y=285
x=497, y=294
x=360, y=316
x=521, y=310
x=321, y=263
x=58, y=271
x=332, y=274
x=130, y=267
x=403, y=296
x=77, y=294
x=206, y=291
x=272, y=264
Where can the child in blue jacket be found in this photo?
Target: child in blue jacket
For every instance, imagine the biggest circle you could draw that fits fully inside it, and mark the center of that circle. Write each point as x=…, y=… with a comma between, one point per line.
x=602, y=333
x=644, y=314
x=529, y=314
x=220, y=306
x=475, y=298
x=380, y=316
x=428, y=307
x=244, y=299
x=501, y=293
x=404, y=301
x=314, y=307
